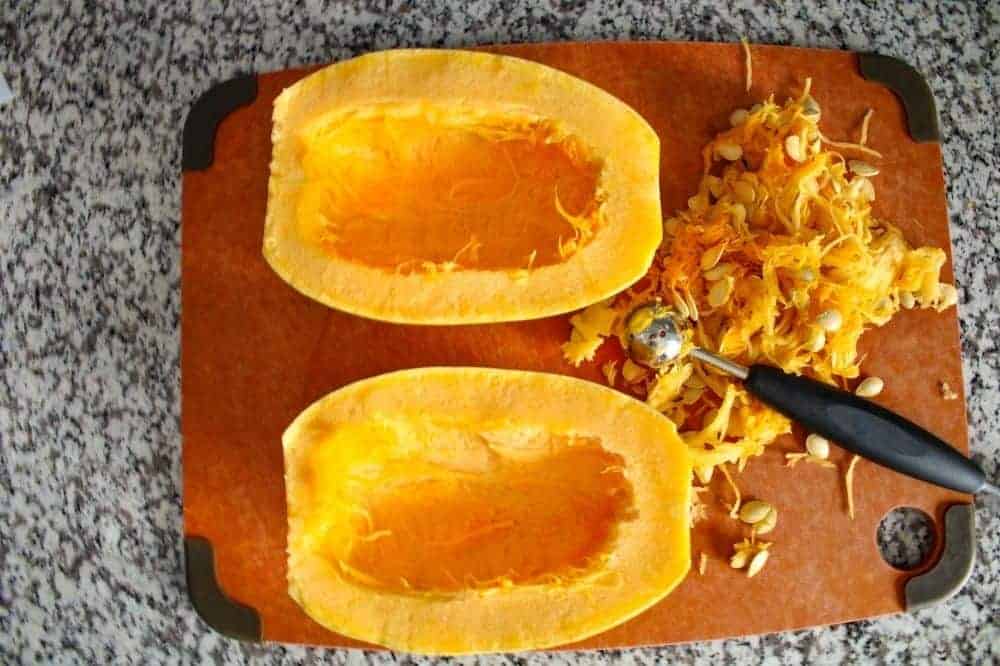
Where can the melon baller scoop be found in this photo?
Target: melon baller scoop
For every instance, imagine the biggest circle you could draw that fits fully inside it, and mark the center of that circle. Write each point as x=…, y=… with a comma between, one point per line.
x=654, y=335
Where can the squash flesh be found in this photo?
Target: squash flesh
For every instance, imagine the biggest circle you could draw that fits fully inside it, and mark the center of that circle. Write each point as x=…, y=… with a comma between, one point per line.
x=391, y=194
x=499, y=505
x=449, y=188
x=558, y=508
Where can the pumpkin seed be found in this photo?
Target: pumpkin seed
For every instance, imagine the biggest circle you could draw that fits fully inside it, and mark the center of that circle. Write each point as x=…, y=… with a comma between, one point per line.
x=793, y=146
x=720, y=291
x=767, y=523
x=947, y=296
x=739, y=214
x=738, y=117
x=711, y=256
x=698, y=203
x=632, y=372
x=856, y=188
x=739, y=559
x=720, y=271
x=757, y=563
x=862, y=168
x=817, y=340
x=830, y=320
x=867, y=190
x=946, y=391
x=729, y=151
x=870, y=387
x=907, y=300
x=755, y=511
x=807, y=274
x=744, y=192
x=818, y=446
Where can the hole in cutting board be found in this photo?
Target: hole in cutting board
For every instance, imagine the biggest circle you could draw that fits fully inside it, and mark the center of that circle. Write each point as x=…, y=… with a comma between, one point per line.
x=905, y=537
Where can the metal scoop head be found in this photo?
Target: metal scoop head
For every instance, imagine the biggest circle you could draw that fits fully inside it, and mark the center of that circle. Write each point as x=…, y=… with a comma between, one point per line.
x=654, y=335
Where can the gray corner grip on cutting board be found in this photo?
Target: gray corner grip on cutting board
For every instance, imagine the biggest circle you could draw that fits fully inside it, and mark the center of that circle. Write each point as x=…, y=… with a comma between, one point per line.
x=912, y=89
x=955, y=566
x=205, y=115
x=228, y=617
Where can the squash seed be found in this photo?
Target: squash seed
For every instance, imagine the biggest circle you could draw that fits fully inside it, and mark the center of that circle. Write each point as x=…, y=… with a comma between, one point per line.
x=817, y=340
x=862, y=168
x=714, y=186
x=907, y=300
x=870, y=387
x=830, y=320
x=632, y=372
x=755, y=511
x=739, y=214
x=744, y=192
x=867, y=190
x=766, y=524
x=721, y=291
x=738, y=117
x=947, y=296
x=739, y=559
x=757, y=563
x=793, y=146
x=729, y=151
x=712, y=255
x=947, y=392
x=720, y=271
x=818, y=446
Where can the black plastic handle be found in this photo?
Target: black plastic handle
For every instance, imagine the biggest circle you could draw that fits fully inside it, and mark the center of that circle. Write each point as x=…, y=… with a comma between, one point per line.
x=865, y=428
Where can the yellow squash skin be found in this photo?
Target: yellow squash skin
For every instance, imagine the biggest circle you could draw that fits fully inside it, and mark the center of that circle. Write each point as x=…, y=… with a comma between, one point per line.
x=464, y=510
x=449, y=187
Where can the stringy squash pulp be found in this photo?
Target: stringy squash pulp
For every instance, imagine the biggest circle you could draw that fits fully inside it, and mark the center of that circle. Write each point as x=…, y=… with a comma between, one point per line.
x=455, y=510
x=778, y=258
x=448, y=187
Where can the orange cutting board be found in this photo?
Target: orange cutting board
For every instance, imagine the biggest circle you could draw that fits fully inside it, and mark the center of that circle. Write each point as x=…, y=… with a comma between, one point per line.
x=255, y=352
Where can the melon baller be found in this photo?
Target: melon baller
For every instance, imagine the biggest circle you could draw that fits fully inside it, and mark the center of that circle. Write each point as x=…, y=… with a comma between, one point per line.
x=654, y=334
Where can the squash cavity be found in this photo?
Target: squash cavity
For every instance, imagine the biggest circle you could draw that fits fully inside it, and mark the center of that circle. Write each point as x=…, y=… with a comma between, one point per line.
x=420, y=505
x=417, y=188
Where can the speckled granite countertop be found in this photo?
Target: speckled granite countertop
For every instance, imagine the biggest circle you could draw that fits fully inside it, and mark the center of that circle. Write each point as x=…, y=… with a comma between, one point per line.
x=90, y=509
